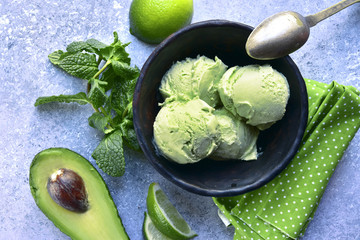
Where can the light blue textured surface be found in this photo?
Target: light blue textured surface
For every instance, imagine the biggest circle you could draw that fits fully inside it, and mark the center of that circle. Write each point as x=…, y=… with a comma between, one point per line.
x=31, y=29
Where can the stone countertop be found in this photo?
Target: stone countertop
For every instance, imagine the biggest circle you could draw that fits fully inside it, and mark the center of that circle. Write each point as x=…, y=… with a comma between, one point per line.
x=31, y=29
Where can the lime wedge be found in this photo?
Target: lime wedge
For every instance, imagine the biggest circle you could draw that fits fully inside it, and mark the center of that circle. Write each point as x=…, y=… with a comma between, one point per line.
x=165, y=216
x=150, y=231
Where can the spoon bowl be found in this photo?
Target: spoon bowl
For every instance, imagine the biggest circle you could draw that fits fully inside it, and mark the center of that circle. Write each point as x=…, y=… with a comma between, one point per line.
x=265, y=42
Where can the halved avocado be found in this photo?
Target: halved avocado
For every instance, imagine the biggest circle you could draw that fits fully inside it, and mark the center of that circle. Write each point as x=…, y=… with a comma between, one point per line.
x=101, y=219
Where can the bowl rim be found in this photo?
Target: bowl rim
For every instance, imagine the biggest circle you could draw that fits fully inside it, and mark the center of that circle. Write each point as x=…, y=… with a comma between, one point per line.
x=236, y=190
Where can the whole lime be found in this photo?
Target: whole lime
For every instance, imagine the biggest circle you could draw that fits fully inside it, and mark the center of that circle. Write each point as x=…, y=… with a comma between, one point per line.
x=153, y=20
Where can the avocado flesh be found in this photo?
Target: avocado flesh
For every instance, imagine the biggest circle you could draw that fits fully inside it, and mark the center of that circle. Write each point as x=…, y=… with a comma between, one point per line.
x=100, y=221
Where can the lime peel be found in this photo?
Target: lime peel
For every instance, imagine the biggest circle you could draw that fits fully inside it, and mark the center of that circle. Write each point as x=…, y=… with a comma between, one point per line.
x=150, y=231
x=152, y=21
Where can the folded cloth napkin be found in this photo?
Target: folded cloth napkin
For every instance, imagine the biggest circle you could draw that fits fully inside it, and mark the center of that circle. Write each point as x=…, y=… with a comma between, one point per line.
x=283, y=208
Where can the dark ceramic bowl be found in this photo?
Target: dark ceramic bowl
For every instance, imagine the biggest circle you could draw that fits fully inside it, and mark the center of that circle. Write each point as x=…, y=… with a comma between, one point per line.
x=278, y=144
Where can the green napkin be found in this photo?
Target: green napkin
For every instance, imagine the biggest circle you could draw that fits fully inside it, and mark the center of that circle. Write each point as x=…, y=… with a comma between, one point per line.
x=283, y=208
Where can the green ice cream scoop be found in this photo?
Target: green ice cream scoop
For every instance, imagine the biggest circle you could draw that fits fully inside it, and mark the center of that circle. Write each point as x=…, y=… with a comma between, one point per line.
x=192, y=78
x=177, y=82
x=237, y=139
x=258, y=94
x=186, y=132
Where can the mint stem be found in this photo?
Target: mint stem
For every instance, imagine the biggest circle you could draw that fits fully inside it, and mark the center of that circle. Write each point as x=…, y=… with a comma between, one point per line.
x=110, y=122
x=108, y=62
x=125, y=111
x=99, y=60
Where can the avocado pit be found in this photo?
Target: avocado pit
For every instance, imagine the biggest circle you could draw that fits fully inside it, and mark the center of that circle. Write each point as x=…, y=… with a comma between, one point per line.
x=68, y=190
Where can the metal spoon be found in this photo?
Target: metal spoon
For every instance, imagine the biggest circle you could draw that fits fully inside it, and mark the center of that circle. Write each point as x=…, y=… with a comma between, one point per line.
x=285, y=32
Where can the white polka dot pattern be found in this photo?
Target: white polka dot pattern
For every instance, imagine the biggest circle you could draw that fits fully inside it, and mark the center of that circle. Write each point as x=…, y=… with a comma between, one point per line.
x=282, y=208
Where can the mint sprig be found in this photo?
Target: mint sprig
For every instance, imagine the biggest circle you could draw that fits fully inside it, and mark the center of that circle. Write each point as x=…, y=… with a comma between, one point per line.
x=111, y=82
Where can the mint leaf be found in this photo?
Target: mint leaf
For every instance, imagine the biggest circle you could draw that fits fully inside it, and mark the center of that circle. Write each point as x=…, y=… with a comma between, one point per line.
x=98, y=121
x=80, y=46
x=118, y=98
x=122, y=94
x=97, y=95
x=90, y=46
x=95, y=44
x=106, y=52
x=124, y=70
x=79, y=98
x=109, y=154
x=116, y=38
x=119, y=53
x=109, y=77
x=115, y=51
x=55, y=57
x=126, y=125
x=81, y=65
x=130, y=139
x=128, y=114
x=129, y=134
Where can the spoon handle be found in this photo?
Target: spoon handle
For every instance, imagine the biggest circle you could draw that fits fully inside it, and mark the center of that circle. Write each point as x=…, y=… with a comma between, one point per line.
x=312, y=20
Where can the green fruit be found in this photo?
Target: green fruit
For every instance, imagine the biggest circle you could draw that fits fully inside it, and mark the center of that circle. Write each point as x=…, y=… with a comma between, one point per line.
x=153, y=20
x=165, y=216
x=151, y=232
x=73, y=195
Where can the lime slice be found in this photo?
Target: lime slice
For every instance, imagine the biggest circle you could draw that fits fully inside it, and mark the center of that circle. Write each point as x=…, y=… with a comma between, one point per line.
x=165, y=216
x=150, y=231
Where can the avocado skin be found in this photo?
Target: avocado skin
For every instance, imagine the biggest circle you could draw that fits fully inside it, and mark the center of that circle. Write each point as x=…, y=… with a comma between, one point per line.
x=100, y=221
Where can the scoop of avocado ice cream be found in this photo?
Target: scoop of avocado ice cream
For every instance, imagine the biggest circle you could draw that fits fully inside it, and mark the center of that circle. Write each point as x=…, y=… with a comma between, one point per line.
x=192, y=78
x=237, y=139
x=177, y=82
x=186, y=132
x=258, y=94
